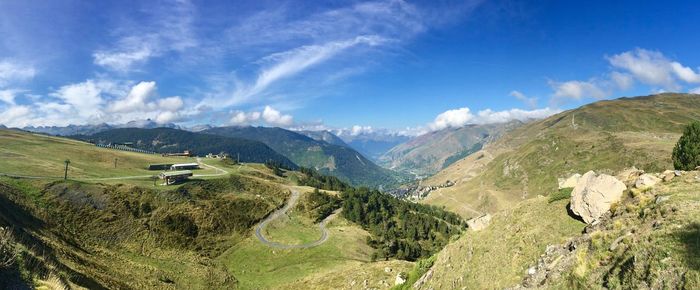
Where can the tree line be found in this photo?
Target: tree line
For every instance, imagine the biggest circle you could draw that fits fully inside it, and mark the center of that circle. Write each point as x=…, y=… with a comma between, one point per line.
x=400, y=229
x=326, y=182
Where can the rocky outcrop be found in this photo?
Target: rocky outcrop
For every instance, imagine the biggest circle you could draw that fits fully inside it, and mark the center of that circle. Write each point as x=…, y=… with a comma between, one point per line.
x=629, y=175
x=479, y=223
x=646, y=180
x=400, y=278
x=569, y=182
x=594, y=194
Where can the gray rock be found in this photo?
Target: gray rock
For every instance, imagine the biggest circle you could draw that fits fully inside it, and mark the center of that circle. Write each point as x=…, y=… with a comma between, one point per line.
x=479, y=223
x=594, y=194
x=569, y=182
x=646, y=180
x=662, y=198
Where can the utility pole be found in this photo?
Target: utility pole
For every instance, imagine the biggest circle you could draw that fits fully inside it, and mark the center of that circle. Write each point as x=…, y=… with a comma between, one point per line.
x=65, y=174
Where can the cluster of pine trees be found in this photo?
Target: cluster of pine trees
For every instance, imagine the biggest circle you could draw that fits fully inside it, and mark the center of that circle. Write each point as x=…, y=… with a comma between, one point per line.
x=400, y=229
x=320, y=205
x=314, y=179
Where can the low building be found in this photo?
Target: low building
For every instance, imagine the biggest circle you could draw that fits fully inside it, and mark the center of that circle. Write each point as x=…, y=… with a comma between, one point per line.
x=186, y=153
x=163, y=166
x=175, y=176
x=184, y=166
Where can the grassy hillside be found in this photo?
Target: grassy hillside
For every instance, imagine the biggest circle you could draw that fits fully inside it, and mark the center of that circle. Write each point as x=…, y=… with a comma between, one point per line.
x=121, y=236
x=650, y=240
x=606, y=136
x=120, y=233
x=340, y=161
x=23, y=153
x=427, y=154
x=165, y=140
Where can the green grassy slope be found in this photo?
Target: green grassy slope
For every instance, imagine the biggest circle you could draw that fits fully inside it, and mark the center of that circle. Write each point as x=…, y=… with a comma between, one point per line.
x=606, y=136
x=121, y=236
x=645, y=242
x=23, y=153
x=497, y=257
x=197, y=235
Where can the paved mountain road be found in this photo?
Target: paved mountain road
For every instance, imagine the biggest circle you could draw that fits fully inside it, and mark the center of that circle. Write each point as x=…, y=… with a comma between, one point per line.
x=292, y=201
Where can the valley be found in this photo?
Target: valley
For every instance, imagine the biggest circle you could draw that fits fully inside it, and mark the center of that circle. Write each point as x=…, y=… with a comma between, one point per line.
x=355, y=145
x=251, y=225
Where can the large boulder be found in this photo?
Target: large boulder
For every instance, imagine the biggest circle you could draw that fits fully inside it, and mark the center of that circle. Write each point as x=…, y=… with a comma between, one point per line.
x=569, y=182
x=646, y=180
x=479, y=223
x=593, y=195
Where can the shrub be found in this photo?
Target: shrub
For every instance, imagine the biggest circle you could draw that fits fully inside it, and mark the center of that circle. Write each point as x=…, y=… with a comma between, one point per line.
x=564, y=193
x=686, y=153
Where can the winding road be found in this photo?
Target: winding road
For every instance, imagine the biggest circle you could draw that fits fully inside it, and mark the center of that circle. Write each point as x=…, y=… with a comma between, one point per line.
x=290, y=204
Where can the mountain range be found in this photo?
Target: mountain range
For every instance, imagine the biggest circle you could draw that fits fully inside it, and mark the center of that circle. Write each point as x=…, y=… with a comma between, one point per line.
x=337, y=160
x=168, y=140
x=431, y=152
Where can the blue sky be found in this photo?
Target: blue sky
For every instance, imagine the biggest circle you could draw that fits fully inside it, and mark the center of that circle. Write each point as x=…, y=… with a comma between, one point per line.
x=407, y=66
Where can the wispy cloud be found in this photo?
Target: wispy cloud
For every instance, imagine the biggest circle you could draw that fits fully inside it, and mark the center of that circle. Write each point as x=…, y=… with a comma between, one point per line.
x=168, y=27
x=12, y=71
x=531, y=102
x=289, y=63
x=292, y=44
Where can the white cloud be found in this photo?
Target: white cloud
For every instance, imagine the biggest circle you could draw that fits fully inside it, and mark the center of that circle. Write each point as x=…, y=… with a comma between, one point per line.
x=243, y=118
x=11, y=71
x=358, y=130
x=489, y=116
x=653, y=68
x=531, y=102
x=461, y=117
x=623, y=81
x=452, y=119
x=86, y=97
x=685, y=74
x=124, y=58
x=96, y=101
x=578, y=89
x=269, y=116
x=16, y=116
x=275, y=118
x=695, y=91
x=8, y=96
x=170, y=104
x=648, y=67
x=167, y=117
x=136, y=99
x=142, y=100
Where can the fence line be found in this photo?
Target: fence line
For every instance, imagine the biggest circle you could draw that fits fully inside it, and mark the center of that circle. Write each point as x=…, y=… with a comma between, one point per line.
x=125, y=148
